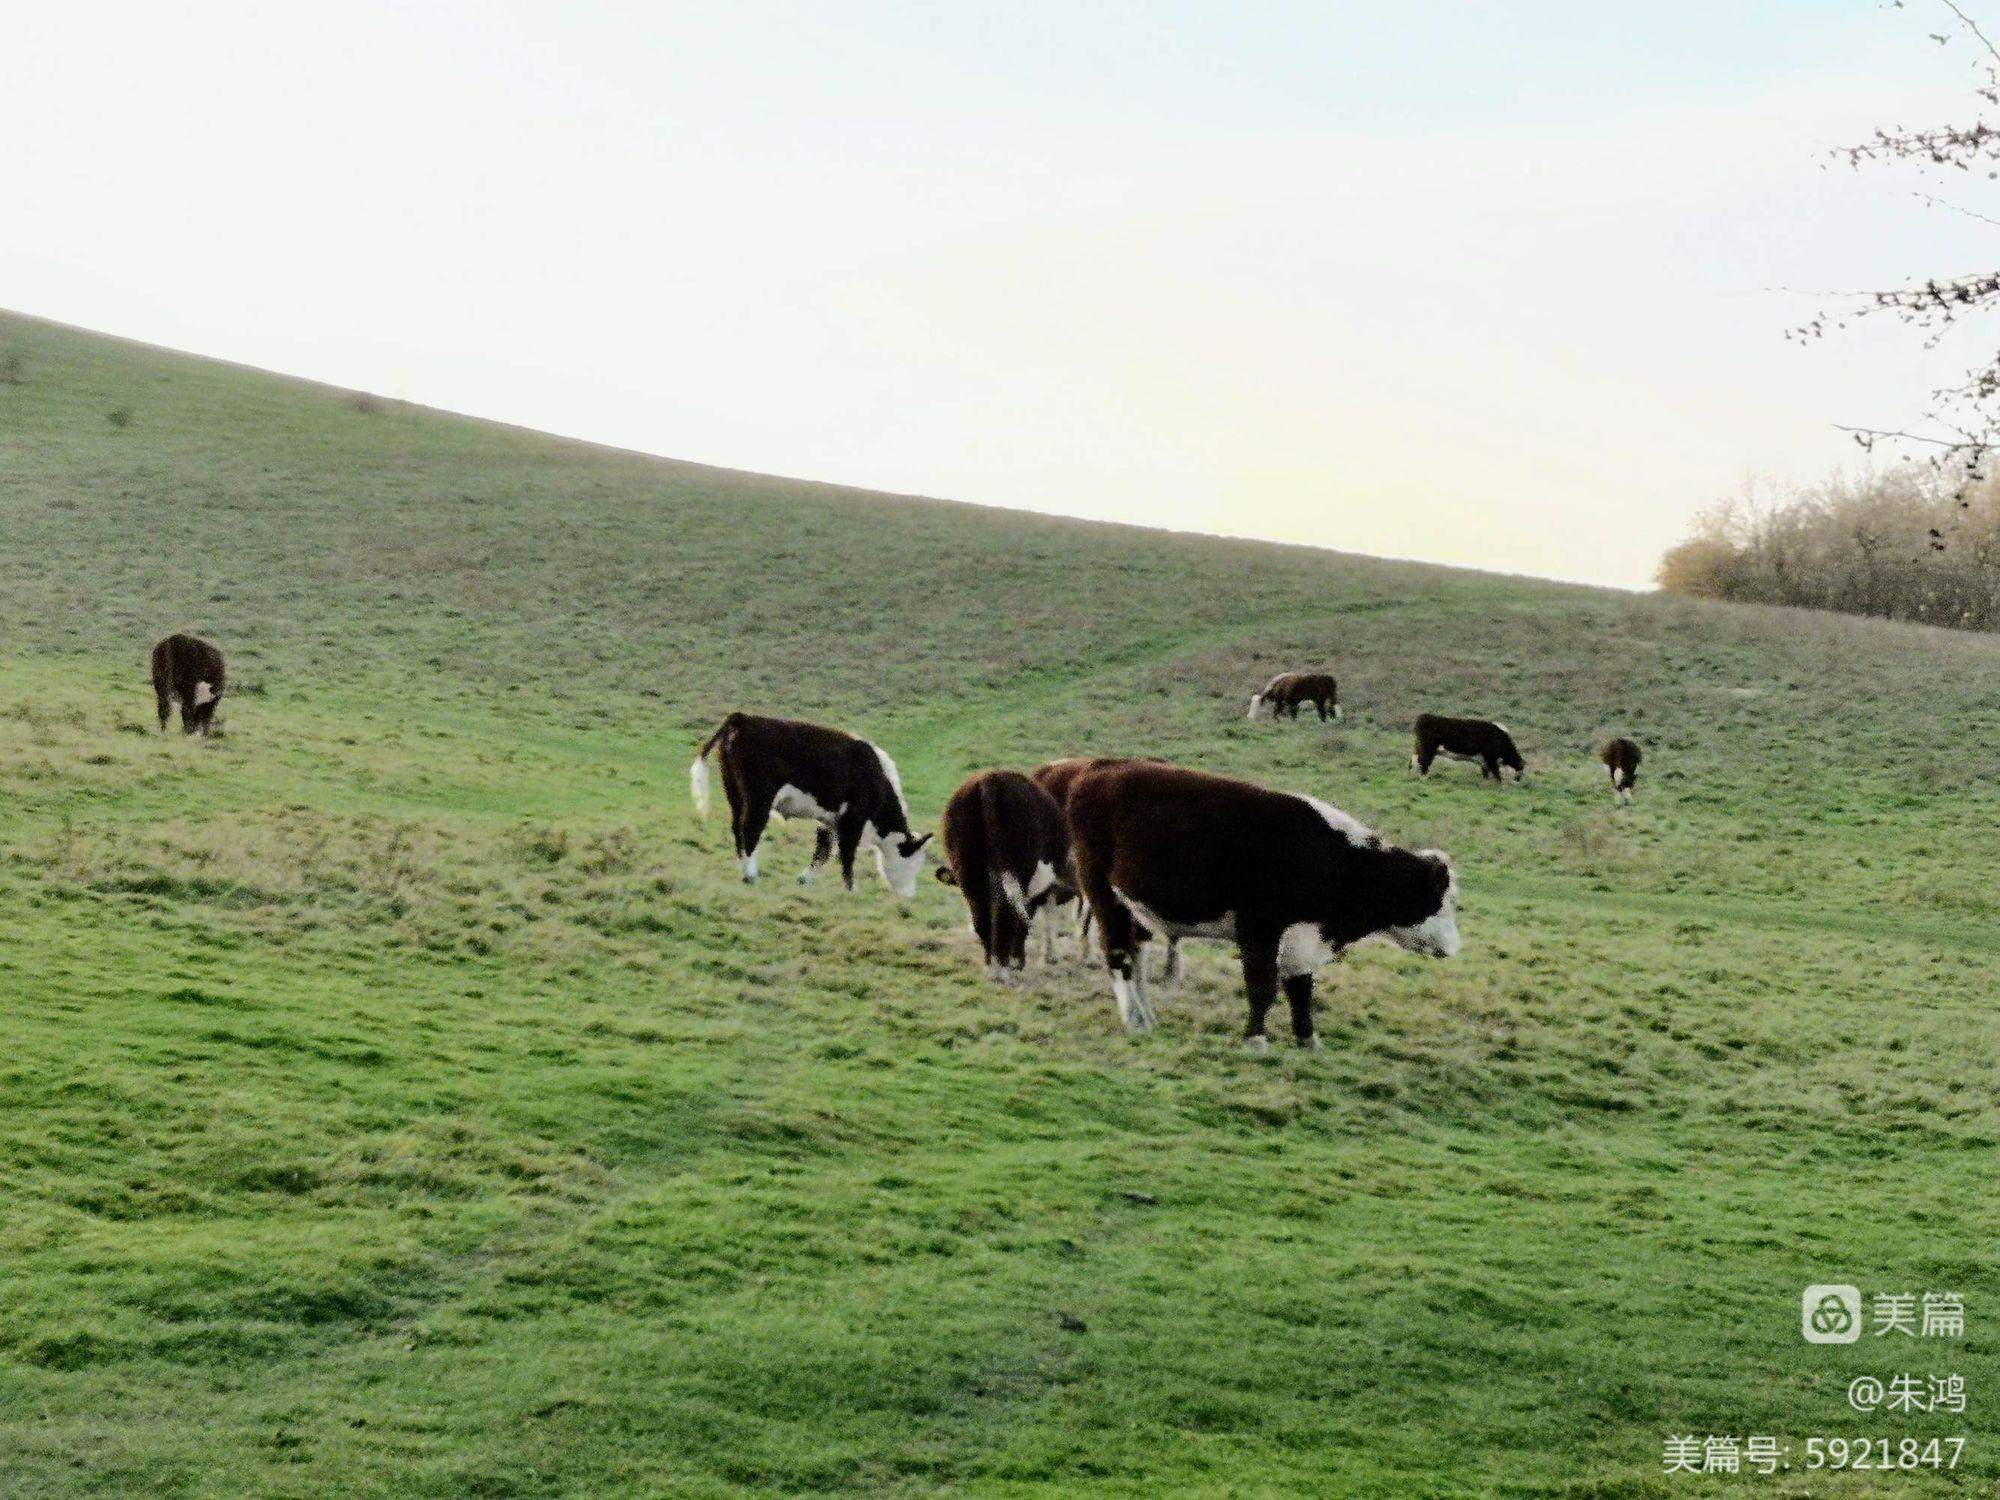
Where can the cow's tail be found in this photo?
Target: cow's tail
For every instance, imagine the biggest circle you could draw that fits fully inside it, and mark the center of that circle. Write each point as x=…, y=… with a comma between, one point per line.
x=991, y=819
x=698, y=769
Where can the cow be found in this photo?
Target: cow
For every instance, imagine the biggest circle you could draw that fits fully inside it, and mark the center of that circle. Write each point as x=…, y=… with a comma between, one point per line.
x=1007, y=850
x=1289, y=879
x=1289, y=691
x=1467, y=739
x=1621, y=758
x=1057, y=777
x=189, y=672
x=791, y=769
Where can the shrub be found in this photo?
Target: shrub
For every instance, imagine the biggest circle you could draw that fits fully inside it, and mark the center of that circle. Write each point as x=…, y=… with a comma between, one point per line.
x=1908, y=544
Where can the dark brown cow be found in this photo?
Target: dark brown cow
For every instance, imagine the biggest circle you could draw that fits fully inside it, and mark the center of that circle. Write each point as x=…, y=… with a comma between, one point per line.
x=797, y=770
x=189, y=672
x=1291, y=880
x=1290, y=691
x=1467, y=739
x=1008, y=848
x=1057, y=777
x=1621, y=758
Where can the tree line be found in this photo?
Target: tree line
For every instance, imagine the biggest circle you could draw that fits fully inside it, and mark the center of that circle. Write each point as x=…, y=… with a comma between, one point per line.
x=1915, y=542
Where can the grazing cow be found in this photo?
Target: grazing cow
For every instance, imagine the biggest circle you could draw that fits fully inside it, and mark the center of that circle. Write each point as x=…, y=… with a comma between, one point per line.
x=1289, y=691
x=1467, y=739
x=1621, y=758
x=188, y=671
x=790, y=769
x=1008, y=852
x=1291, y=880
x=1057, y=778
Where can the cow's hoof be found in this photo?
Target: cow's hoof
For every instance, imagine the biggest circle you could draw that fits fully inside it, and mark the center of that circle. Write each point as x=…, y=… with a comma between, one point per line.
x=1257, y=1046
x=1312, y=1044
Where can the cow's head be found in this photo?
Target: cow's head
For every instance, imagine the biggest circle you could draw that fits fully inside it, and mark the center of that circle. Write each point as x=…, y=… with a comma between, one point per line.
x=1510, y=760
x=1423, y=894
x=900, y=858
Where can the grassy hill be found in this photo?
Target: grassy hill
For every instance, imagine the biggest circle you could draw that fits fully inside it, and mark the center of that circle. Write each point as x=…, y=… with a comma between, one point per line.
x=400, y=1094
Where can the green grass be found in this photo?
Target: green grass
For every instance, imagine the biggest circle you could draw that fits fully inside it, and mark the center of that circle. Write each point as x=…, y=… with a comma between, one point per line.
x=400, y=1094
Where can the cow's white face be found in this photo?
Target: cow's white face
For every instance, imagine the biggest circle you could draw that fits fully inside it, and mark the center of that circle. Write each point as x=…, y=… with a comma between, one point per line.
x=900, y=858
x=1437, y=935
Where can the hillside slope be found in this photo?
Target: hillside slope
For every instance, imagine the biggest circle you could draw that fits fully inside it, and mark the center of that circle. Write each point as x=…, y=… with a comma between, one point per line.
x=402, y=1095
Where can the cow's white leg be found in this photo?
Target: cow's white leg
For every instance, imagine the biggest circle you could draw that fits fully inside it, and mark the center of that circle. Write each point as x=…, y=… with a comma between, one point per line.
x=749, y=864
x=1121, y=991
x=1141, y=993
x=1048, y=916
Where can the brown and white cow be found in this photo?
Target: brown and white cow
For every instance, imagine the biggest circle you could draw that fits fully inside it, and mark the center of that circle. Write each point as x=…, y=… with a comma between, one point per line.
x=1057, y=778
x=1621, y=758
x=189, y=672
x=1007, y=850
x=790, y=769
x=1479, y=740
x=1289, y=879
x=1290, y=691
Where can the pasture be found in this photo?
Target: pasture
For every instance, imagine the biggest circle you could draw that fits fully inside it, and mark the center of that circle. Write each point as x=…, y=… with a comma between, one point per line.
x=400, y=1094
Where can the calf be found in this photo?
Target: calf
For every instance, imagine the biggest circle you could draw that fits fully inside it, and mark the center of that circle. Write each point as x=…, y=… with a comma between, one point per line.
x=1289, y=691
x=188, y=671
x=1621, y=758
x=1467, y=739
x=1057, y=778
x=1008, y=849
x=1290, y=880
x=791, y=769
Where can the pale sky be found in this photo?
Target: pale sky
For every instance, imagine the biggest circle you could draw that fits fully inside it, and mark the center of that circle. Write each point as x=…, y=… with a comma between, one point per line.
x=1503, y=286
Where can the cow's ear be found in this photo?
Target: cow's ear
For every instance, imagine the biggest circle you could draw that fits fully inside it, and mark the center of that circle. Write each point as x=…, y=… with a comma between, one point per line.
x=911, y=846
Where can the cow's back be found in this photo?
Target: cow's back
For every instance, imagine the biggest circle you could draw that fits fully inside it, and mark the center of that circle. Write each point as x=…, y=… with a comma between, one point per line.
x=181, y=663
x=1001, y=821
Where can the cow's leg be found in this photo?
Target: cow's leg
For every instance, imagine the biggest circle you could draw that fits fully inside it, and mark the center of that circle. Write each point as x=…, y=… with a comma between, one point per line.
x=756, y=814
x=1299, y=992
x=1421, y=763
x=1260, y=987
x=979, y=902
x=1490, y=766
x=1083, y=921
x=1142, y=994
x=738, y=797
x=1048, y=920
x=1320, y=704
x=165, y=701
x=822, y=852
x=1173, y=968
x=847, y=838
x=1115, y=931
x=1000, y=921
